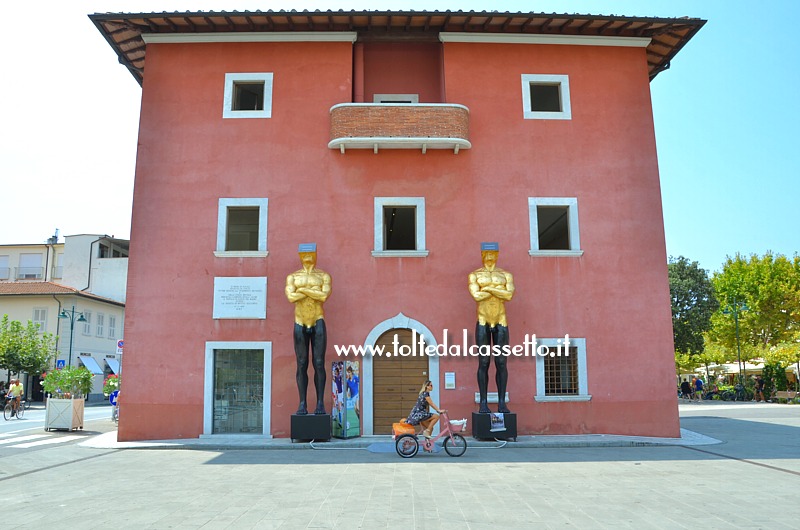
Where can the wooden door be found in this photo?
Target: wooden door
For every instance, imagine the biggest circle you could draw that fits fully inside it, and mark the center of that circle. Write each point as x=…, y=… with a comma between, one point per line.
x=395, y=381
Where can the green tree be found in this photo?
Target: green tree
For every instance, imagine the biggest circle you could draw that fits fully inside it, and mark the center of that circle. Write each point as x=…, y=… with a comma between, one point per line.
x=764, y=293
x=693, y=303
x=24, y=349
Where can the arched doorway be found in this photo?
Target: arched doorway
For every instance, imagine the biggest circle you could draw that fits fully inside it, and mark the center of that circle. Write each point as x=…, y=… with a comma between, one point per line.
x=399, y=321
x=395, y=380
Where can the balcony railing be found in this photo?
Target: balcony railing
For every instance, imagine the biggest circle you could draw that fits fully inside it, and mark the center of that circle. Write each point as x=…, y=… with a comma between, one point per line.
x=399, y=126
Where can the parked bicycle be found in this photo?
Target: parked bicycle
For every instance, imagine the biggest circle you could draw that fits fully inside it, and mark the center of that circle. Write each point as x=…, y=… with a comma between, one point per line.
x=12, y=408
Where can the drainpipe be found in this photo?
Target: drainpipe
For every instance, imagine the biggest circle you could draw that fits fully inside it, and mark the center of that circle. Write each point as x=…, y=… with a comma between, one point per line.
x=58, y=320
x=91, y=255
x=46, y=258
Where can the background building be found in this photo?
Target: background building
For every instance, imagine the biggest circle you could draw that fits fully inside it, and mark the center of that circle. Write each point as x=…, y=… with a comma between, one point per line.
x=86, y=273
x=398, y=142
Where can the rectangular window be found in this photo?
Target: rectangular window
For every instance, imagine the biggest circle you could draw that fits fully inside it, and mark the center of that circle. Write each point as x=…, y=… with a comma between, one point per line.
x=546, y=97
x=561, y=373
x=399, y=229
x=247, y=95
x=4, y=269
x=87, y=326
x=30, y=267
x=112, y=327
x=40, y=318
x=100, y=324
x=242, y=227
x=554, y=227
x=58, y=268
x=238, y=391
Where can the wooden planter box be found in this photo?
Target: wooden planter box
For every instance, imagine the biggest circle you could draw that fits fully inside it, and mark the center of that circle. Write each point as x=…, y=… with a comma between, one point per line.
x=64, y=414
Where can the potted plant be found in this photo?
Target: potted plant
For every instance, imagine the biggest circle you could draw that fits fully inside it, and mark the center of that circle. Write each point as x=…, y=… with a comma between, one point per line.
x=66, y=390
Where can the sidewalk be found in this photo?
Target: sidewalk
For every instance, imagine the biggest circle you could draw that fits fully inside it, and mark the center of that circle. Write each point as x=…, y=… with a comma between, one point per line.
x=381, y=443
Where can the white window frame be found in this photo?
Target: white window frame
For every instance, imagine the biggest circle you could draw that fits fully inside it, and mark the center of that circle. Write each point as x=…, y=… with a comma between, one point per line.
x=231, y=79
x=208, y=385
x=583, y=383
x=562, y=81
x=42, y=321
x=87, y=326
x=378, y=240
x=100, y=325
x=112, y=327
x=572, y=219
x=400, y=99
x=222, y=227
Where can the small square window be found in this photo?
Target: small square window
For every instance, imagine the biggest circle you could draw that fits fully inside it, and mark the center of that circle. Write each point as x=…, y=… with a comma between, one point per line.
x=242, y=227
x=546, y=97
x=554, y=226
x=399, y=227
x=248, y=95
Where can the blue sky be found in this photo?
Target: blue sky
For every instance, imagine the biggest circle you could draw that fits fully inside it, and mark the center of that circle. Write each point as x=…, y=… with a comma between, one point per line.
x=725, y=113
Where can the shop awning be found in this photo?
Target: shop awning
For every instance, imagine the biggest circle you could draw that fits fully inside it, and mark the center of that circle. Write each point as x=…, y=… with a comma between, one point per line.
x=114, y=365
x=90, y=364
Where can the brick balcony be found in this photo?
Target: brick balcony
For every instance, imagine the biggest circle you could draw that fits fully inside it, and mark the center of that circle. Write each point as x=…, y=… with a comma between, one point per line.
x=399, y=126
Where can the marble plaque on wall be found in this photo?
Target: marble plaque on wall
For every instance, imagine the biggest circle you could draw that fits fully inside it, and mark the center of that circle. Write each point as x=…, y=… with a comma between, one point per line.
x=238, y=297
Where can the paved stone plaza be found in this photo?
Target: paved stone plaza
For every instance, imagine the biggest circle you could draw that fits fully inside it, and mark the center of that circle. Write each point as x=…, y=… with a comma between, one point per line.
x=749, y=479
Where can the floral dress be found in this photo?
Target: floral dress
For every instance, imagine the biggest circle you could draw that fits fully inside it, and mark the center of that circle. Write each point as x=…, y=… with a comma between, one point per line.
x=421, y=410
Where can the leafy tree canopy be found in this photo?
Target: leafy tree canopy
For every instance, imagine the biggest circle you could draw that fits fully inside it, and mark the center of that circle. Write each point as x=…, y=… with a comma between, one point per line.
x=764, y=294
x=23, y=348
x=693, y=303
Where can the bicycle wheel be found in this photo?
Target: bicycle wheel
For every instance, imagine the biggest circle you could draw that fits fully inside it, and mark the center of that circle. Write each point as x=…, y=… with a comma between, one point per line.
x=407, y=445
x=7, y=411
x=20, y=411
x=455, y=445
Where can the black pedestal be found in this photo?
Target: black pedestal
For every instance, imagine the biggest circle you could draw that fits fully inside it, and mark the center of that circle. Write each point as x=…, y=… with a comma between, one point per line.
x=311, y=427
x=482, y=426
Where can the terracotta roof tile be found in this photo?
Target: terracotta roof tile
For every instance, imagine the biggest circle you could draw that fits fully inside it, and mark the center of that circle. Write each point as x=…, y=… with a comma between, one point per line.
x=45, y=288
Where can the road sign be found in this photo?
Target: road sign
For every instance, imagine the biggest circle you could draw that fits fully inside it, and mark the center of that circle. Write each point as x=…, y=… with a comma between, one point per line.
x=120, y=344
x=61, y=363
x=112, y=398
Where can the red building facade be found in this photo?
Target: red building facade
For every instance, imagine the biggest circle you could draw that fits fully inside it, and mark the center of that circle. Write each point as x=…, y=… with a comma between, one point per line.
x=398, y=142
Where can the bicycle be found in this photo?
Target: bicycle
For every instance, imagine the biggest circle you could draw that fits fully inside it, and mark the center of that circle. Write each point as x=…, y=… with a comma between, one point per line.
x=407, y=445
x=13, y=409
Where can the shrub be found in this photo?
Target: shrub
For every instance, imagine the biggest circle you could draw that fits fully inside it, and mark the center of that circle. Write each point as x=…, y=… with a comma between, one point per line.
x=68, y=382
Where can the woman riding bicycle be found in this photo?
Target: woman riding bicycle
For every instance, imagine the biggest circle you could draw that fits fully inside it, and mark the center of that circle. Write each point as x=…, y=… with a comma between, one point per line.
x=421, y=414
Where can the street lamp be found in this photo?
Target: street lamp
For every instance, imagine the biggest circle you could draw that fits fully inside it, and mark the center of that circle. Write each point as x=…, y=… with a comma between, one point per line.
x=71, y=316
x=735, y=308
